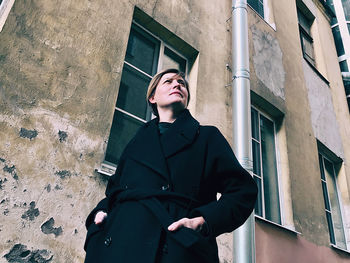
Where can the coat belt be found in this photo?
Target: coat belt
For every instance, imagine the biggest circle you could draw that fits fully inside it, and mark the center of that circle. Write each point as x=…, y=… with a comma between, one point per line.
x=150, y=199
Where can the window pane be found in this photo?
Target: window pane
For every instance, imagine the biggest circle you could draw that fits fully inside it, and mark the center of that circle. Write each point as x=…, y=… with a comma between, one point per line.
x=258, y=6
x=308, y=48
x=346, y=6
x=338, y=41
x=256, y=158
x=172, y=60
x=325, y=196
x=330, y=227
x=123, y=129
x=320, y=159
x=271, y=195
x=335, y=205
x=304, y=22
x=348, y=27
x=258, y=204
x=255, y=124
x=344, y=66
x=132, y=92
x=142, y=51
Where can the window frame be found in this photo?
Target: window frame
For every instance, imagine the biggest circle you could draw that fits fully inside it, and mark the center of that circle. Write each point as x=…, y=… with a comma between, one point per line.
x=303, y=33
x=278, y=171
x=263, y=8
x=109, y=168
x=332, y=236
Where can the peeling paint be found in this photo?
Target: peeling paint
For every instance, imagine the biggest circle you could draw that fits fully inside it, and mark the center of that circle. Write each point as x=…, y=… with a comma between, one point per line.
x=268, y=63
x=58, y=187
x=11, y=170
x=63, y=174
x=48, y=228
x=1, y=182
x=30, y=134
x=62, y=135
x=32, y=212
x=19, y=253
x=48, y=188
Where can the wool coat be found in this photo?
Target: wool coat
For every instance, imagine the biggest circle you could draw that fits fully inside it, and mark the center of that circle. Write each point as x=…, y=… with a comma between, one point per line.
x=161, y=179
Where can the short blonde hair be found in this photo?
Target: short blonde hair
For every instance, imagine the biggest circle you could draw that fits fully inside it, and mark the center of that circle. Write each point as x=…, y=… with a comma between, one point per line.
x=155, y=81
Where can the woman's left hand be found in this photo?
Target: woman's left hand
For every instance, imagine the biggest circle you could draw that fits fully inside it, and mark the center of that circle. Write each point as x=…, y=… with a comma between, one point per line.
x=193, y=223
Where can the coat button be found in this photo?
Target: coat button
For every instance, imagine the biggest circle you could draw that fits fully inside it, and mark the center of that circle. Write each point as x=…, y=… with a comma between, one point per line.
x=165, y=187
x=108, y=241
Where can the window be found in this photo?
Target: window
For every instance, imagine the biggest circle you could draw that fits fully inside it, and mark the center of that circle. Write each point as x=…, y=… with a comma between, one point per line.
x=258, y=6
x=332, y=202
x=346, y=7
x=145, y=55
x=265, y=167
x=344, y=66
x=305, y=37
x=338, y=41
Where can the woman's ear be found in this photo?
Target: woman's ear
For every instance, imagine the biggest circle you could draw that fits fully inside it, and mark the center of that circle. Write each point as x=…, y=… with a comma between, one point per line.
x=152, y=100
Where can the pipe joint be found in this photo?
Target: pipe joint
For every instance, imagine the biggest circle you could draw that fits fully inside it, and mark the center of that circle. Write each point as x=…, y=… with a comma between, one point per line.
x=239, y=4
x=241, y=74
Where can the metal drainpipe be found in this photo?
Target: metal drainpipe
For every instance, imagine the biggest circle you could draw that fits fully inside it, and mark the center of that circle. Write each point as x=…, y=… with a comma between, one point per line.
x=244, y=236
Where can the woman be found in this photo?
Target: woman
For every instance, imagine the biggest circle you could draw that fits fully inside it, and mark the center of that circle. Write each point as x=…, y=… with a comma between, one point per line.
x=161, y=204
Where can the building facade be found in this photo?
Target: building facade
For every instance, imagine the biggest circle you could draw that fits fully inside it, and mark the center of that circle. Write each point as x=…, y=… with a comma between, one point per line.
x=73, y=79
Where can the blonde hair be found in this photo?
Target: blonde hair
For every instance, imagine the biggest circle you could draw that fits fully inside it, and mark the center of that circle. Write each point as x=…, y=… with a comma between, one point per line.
x=155, y=81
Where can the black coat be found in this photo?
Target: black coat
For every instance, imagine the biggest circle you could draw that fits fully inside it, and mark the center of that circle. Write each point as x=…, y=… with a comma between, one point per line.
x=161, y=179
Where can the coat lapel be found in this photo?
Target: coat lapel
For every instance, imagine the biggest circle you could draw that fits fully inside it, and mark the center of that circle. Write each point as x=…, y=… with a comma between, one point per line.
x=146, y=149
x=152, y=150
x=180, y=134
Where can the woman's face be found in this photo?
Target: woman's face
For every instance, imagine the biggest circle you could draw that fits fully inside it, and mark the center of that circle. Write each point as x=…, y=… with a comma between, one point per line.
x=171, y=91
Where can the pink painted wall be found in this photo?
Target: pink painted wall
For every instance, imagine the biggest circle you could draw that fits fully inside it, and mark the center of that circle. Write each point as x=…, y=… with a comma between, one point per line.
x=276, y=245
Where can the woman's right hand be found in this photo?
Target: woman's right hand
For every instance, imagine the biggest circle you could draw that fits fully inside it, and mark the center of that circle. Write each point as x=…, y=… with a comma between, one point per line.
x=99, y=217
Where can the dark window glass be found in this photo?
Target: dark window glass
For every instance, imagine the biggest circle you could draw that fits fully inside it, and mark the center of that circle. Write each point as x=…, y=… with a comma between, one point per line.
x=258, y=204
x=271, y=195
x=338, y=41
x=344, y=66
x=142, y=51
x=258, y=6
x=256, y=158
x=346, y=7
x=142, y=55
x=348, y=24
x=172, y=60
x=265, y=167
x=255, y=124
x=0, y=2
x=132, y=92
x=123, y=129
x=330, y=227
x=304, y=22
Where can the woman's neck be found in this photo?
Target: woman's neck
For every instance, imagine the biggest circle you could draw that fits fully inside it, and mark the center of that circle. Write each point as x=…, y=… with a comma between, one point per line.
x=167, y=114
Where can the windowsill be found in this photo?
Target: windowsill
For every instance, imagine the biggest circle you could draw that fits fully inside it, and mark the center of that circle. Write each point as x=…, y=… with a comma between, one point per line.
x=259, y=218
x=316, y=71
x=340, y=249
x=106, y=169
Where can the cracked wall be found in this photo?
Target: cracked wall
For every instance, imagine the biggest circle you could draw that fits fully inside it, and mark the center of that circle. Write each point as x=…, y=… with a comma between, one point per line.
x=61, y=64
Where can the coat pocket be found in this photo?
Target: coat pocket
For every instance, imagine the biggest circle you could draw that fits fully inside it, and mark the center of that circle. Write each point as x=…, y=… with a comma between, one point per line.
x=92, y=230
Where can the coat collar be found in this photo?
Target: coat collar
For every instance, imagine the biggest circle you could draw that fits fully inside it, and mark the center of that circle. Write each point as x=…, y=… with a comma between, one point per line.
x=151, y=149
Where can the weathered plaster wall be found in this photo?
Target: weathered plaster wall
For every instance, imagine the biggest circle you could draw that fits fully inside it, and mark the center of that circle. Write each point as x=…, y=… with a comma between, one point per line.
x=324, y=122
x=61, y=64
x=60, y=68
